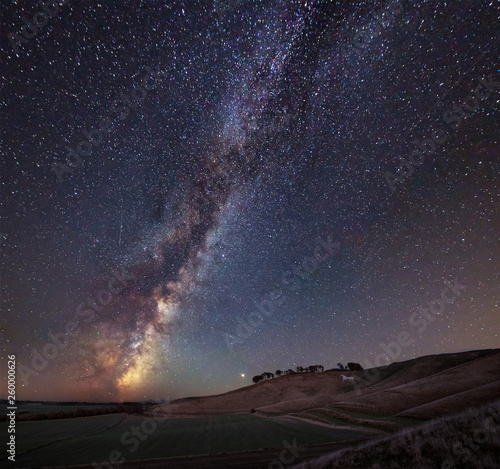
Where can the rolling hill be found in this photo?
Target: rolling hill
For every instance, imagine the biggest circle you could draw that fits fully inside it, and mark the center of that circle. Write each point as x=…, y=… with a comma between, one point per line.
x=422, y=388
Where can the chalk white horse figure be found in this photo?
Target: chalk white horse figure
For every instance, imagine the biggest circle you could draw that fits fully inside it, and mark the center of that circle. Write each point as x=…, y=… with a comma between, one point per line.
x=347, y=378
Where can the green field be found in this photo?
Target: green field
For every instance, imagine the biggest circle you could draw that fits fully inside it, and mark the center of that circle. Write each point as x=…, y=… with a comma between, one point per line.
x=88, y=439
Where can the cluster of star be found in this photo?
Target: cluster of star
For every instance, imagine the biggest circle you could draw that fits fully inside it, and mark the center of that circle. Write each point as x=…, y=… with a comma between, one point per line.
x=271, y=126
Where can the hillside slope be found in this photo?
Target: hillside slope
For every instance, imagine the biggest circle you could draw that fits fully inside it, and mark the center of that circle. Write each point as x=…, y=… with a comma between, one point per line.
x=425, y=387
x=469, y=440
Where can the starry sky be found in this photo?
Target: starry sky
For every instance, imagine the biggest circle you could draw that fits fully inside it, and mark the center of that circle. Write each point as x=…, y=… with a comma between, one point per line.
x=195, y=192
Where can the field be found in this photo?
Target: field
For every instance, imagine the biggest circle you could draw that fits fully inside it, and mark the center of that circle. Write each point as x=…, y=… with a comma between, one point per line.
x=312, y=411
x=88, y=439
x=26, y=409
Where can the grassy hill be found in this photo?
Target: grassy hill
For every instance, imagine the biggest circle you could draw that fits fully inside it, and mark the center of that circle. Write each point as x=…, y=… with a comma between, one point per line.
x=469, y=440
x=390, y=411
x=422, y=388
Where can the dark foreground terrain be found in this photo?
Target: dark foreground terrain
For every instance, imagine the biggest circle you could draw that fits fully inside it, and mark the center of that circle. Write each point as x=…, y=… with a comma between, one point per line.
x=409, y=414
x=470, y=440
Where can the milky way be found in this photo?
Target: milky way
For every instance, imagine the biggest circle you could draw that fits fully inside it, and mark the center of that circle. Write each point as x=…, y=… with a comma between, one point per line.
x=268, y=133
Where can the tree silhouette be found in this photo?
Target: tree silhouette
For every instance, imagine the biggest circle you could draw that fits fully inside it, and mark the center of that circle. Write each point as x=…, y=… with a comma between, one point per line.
x=298, y=369
x=354, y=366
x=257, y=379
x=341, y=367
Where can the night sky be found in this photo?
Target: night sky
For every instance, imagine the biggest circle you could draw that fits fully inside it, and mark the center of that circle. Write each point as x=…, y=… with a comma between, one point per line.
x=196, y=191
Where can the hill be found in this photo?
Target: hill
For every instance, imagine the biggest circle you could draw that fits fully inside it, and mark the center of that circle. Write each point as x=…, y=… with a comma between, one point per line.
x=421, y=388
x=469, y=440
